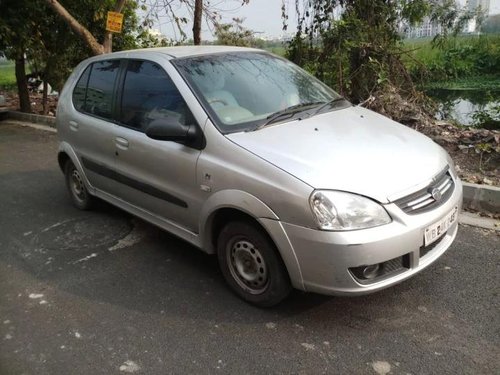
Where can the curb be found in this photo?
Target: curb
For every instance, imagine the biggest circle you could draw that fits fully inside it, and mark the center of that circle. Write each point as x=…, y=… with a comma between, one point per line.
x=31, y=117
x=482, y=198
x=476, y=220
x=29, y=125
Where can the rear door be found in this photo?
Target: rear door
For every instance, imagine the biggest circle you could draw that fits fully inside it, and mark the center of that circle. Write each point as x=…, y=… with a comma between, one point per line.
x=158, y=176
x=92, y=128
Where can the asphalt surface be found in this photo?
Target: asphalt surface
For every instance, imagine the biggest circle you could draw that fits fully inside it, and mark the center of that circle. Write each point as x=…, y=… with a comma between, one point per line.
x=101, y=292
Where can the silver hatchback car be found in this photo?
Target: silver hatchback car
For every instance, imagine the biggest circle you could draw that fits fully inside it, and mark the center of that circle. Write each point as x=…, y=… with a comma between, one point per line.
x=246, y=156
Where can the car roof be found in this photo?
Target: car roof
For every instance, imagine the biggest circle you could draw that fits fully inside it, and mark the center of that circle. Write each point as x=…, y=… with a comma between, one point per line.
x=187, y=51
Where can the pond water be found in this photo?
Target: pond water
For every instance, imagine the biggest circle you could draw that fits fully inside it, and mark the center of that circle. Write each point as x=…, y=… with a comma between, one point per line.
x=460, y=105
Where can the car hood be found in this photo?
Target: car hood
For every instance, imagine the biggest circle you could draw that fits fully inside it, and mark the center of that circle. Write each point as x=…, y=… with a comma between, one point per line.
x=352, y=149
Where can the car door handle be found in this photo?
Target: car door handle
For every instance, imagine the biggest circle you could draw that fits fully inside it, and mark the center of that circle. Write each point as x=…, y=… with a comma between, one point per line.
x=121, y=143
x=73, y=125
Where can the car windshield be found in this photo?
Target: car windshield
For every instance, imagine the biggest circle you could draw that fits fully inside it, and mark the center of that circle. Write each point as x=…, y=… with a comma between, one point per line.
x=247, y=90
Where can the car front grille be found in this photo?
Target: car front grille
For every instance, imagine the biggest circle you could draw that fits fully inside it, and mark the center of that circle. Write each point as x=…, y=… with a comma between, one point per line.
x=430, y=197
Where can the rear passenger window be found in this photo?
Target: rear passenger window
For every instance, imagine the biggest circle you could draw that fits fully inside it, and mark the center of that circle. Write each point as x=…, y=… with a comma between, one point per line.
x=99, y=98
x=149, y=94
x=80, y=90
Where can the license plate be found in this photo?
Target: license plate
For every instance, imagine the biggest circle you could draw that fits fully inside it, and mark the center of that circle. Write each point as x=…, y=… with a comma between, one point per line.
x=435, y=231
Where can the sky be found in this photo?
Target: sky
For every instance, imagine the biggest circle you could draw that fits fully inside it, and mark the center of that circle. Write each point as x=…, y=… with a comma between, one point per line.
x=495, y=7
x=264, y=16
x=261, y=16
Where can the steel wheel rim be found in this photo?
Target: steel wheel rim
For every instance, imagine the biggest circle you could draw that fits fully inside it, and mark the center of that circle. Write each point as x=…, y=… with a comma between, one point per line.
x=247, y=266
x=77, y=186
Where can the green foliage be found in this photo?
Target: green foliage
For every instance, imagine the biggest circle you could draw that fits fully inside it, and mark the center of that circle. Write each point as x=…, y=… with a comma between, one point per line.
x=7, y=76
x=458, y=58
x=16, y=22
x=474, y=83
x=357, y=53
x=488, y=118
x=235, y=34
x=277, y=50
x=146, y=39
x=31, y=28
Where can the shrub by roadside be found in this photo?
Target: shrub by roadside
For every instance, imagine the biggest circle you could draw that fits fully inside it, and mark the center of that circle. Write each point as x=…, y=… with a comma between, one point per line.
x=457, y=58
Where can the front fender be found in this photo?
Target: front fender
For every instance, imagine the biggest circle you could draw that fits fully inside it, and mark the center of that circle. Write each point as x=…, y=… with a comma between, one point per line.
x=267, y=218
x=237, y=199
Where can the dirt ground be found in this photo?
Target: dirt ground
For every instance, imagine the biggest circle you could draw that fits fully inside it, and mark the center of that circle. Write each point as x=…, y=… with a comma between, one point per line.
x=12, y=102
x=476, y=152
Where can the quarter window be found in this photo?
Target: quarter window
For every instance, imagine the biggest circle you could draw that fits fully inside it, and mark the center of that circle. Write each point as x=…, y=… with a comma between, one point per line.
x=99, y=98
x=149, y=94
x=80, y=90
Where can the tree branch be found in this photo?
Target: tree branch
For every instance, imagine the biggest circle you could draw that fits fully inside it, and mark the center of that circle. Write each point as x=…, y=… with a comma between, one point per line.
x=77, y=27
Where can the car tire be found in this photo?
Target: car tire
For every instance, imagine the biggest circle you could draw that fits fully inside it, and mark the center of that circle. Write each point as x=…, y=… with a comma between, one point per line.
x=78, y=192
x=252, y=265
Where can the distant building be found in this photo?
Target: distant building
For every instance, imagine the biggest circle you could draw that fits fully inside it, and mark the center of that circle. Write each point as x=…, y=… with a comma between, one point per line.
x=430, y=29
x=426, y=29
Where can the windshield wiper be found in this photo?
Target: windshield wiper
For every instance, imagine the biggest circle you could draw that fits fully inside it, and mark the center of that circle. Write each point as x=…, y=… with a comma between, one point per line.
x=330, y=104
x=287, y=113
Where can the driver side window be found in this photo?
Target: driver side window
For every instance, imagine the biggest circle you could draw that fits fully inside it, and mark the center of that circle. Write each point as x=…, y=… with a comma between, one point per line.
x=149, y=94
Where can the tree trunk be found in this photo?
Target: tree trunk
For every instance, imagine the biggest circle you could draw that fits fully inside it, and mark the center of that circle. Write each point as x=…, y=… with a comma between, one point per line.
x=107, y=45
x=108, y=36
x=93, y=44
x=198, y=12
x=22, y=84
x=355, y=67
x=44, y=97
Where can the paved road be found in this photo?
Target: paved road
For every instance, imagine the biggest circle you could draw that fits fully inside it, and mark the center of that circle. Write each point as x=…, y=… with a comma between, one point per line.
x=101, y=292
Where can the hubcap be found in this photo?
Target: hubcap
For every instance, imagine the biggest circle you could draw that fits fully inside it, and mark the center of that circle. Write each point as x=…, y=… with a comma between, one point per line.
x=77, y=186
x=247, y=266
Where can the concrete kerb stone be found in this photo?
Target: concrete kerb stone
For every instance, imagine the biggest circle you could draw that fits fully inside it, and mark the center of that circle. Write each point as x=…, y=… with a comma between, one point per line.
x=476, y=220
x=482, y=198
x=31, y=117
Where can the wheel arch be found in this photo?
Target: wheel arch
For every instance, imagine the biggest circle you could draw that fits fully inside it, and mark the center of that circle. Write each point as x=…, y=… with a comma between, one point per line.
x=62, y=159
x=66, y=153
x=226, y=206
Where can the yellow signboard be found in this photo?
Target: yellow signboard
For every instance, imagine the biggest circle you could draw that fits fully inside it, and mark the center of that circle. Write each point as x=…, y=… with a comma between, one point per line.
x=114, y=22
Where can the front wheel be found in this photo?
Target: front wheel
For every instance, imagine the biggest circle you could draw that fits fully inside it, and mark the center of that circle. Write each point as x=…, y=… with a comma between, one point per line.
x=251, y=264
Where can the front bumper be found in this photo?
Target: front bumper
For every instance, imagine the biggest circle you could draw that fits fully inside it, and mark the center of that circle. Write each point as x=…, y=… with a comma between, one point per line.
x=324, y=258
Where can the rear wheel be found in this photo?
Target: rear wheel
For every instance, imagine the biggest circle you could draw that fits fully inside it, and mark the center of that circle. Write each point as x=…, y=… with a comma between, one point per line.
x=77, y=190
x=251, y=264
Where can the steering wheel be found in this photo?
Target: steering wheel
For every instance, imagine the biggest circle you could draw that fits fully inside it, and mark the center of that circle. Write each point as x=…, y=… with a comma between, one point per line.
x=211, y=101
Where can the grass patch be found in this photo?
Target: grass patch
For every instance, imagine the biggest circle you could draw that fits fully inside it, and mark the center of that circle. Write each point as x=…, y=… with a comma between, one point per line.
x=7, y=75
x=484, y=82
x=464, y=62
x=278, y=50
x=420, y=49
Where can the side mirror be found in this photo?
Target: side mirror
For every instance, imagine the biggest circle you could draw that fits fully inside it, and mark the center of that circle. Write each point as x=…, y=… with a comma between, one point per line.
x=166, y=129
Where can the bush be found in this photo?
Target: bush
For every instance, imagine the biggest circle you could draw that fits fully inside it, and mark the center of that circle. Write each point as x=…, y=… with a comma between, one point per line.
x=460, y=57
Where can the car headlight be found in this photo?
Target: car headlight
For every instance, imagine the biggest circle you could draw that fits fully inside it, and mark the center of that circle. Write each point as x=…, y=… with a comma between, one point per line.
x=337, y=210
